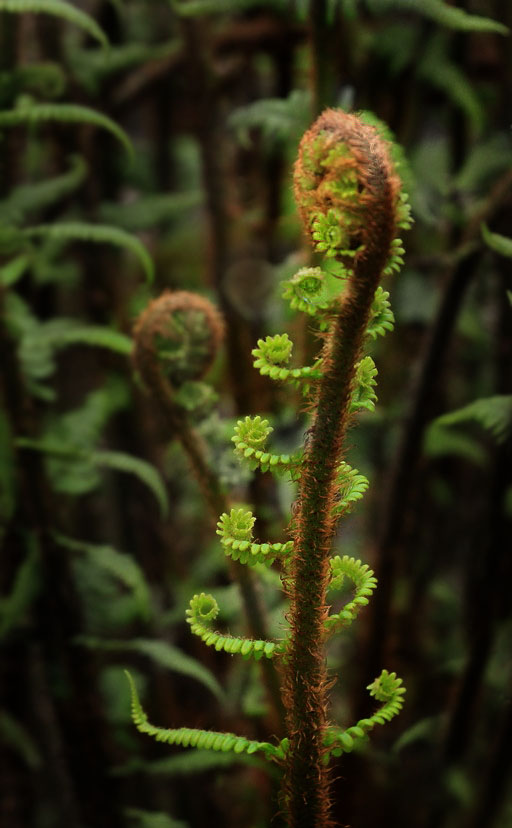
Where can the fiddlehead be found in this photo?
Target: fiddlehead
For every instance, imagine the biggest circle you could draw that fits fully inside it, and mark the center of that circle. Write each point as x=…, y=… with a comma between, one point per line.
x=351, y=487
x=250, y=437
x=273, y=351
x=364, y=582
x=203, y=609
x=235, y=531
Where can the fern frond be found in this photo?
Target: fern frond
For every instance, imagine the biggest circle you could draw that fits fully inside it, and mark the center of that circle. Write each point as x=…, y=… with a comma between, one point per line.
x=92, y=66
x=492, y=413
x=277, y=119
x=96, y=233
x=500, y=244
x=273, y=351
x=57, y=8
x=235, y=531
x=25, y=587
x=65, y=113
x=11, y=272
x=191, y=737
x=440, y=12
x=387, y=688
x=203, y=609
x=364, y=581
x=29, y=198
x=382, y=318
x=150, y=210
x=351, y=488
x=250, y=438
x=364, y=396
x=304, y=291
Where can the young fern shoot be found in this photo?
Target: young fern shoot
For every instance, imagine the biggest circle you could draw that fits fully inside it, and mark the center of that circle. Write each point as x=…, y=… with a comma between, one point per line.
x=349, y=199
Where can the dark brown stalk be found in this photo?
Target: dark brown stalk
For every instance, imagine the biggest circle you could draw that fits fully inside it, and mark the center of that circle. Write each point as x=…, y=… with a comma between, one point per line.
x=306, y=681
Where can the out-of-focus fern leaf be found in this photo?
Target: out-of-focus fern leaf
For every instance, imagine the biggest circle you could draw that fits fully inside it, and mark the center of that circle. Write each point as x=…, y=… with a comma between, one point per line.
x=278, y=119
x=29, y=198
x=442, y=441
x=492, y=413
x=193, y=8
x=13, y=734
x=438, y=70
x=149, y=211
x=163, y=654
x=7, y=475
x=120, y=461
x=97, y=233
x=153, y=819
x=123, y=567
x=500, y=244
x=45, y=79
x=58, y=8
x=14, y=270
x=197, y=761
x=92, y=66
x=484, y=162
x=24, y=589
x=440, y=12
x=34, y=113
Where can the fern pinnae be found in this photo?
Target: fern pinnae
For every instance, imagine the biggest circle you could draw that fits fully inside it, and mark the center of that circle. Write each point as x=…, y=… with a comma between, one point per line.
x=28, y=198
x=57, y=8
x=250, y=438
x=364, y=582
x=235, y=532
x=191, y=737
x=203, y=608
x=66, y=113
x=96, y=233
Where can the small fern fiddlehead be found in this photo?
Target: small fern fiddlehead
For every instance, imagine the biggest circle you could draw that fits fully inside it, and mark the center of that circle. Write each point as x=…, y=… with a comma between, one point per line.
x=235, y=531
x=250, y=438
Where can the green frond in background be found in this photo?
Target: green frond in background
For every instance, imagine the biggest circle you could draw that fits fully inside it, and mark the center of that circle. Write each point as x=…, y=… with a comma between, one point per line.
x=27, y=199
x=277, y=119
x=96, y=233
x=148, y=211
x=500, y=244
x=57, y=8
x=494, y=414
x=25, y=587
x=65, y=113
x=441, y=13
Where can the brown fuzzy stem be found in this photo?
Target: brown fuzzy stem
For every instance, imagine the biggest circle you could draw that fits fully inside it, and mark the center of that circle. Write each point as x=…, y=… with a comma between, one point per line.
x=306, y=681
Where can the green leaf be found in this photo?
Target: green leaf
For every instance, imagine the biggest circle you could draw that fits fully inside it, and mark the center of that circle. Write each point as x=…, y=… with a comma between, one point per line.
x=97, y=233
x=492, y=413
x=500, y=244
x=120, y=461
x=278, y=119
x=153, y=819
x=64, y=113
x=24, y=589
x=121, y=566
x=449, y=16
x=29, y=198
x=13, y=271
x=440, y=441
x=58, y=8
x=165, y=655
x=150, y=210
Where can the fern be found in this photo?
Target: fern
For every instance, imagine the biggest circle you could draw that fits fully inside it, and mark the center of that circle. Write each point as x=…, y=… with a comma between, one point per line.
x=387, y=688
x=203, y=609
x=149, y=211
x=492, y=413
x=23, y=591
x=92, y=67
x=440, y=12
x=500, y=244
x=57, y=8
x=235, y=531
x=201, y=739
x=277, y=119
x=30, y=198
x=273, y=351
x=382, y=318
x=364, y=396
x=364, y=581
x=351, y=488
x=96, y=233
x=250, y=437
x=33, y=113
x=123, y=567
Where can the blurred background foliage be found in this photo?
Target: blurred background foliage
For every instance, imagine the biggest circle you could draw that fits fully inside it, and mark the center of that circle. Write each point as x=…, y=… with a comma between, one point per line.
x=147, y=145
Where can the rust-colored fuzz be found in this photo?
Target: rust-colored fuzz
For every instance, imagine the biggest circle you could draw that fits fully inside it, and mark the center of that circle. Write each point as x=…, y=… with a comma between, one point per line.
x=347, y=195
x=177, y=335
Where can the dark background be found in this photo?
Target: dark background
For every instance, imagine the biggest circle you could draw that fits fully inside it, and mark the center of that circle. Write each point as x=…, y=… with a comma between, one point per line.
x=98, y=563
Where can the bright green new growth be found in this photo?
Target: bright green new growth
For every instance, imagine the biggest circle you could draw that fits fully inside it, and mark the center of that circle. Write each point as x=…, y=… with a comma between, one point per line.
x=338, y=233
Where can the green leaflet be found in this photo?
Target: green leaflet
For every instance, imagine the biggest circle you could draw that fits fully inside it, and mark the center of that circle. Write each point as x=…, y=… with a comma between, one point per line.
x=191, y=737
x=123, y=567
x=24, y=589
x=58, y=8
x=364, y=396
x=364, y=582
x=162, y=653
x=116, y=460
x=449, y=16
x=492, y=413
x=64, y=113
x=278, y=119
x=153, y=819
x=150, y=210
x=29, y=198
x=500, y=244
x=97, y=233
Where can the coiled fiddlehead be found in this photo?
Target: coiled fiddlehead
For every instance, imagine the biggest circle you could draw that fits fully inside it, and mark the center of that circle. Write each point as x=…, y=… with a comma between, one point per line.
x=250, y=437
x=235, y=531
x=203, y=609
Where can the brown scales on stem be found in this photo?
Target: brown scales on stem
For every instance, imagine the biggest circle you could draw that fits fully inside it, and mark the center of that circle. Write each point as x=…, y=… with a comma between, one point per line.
x=372, y=224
